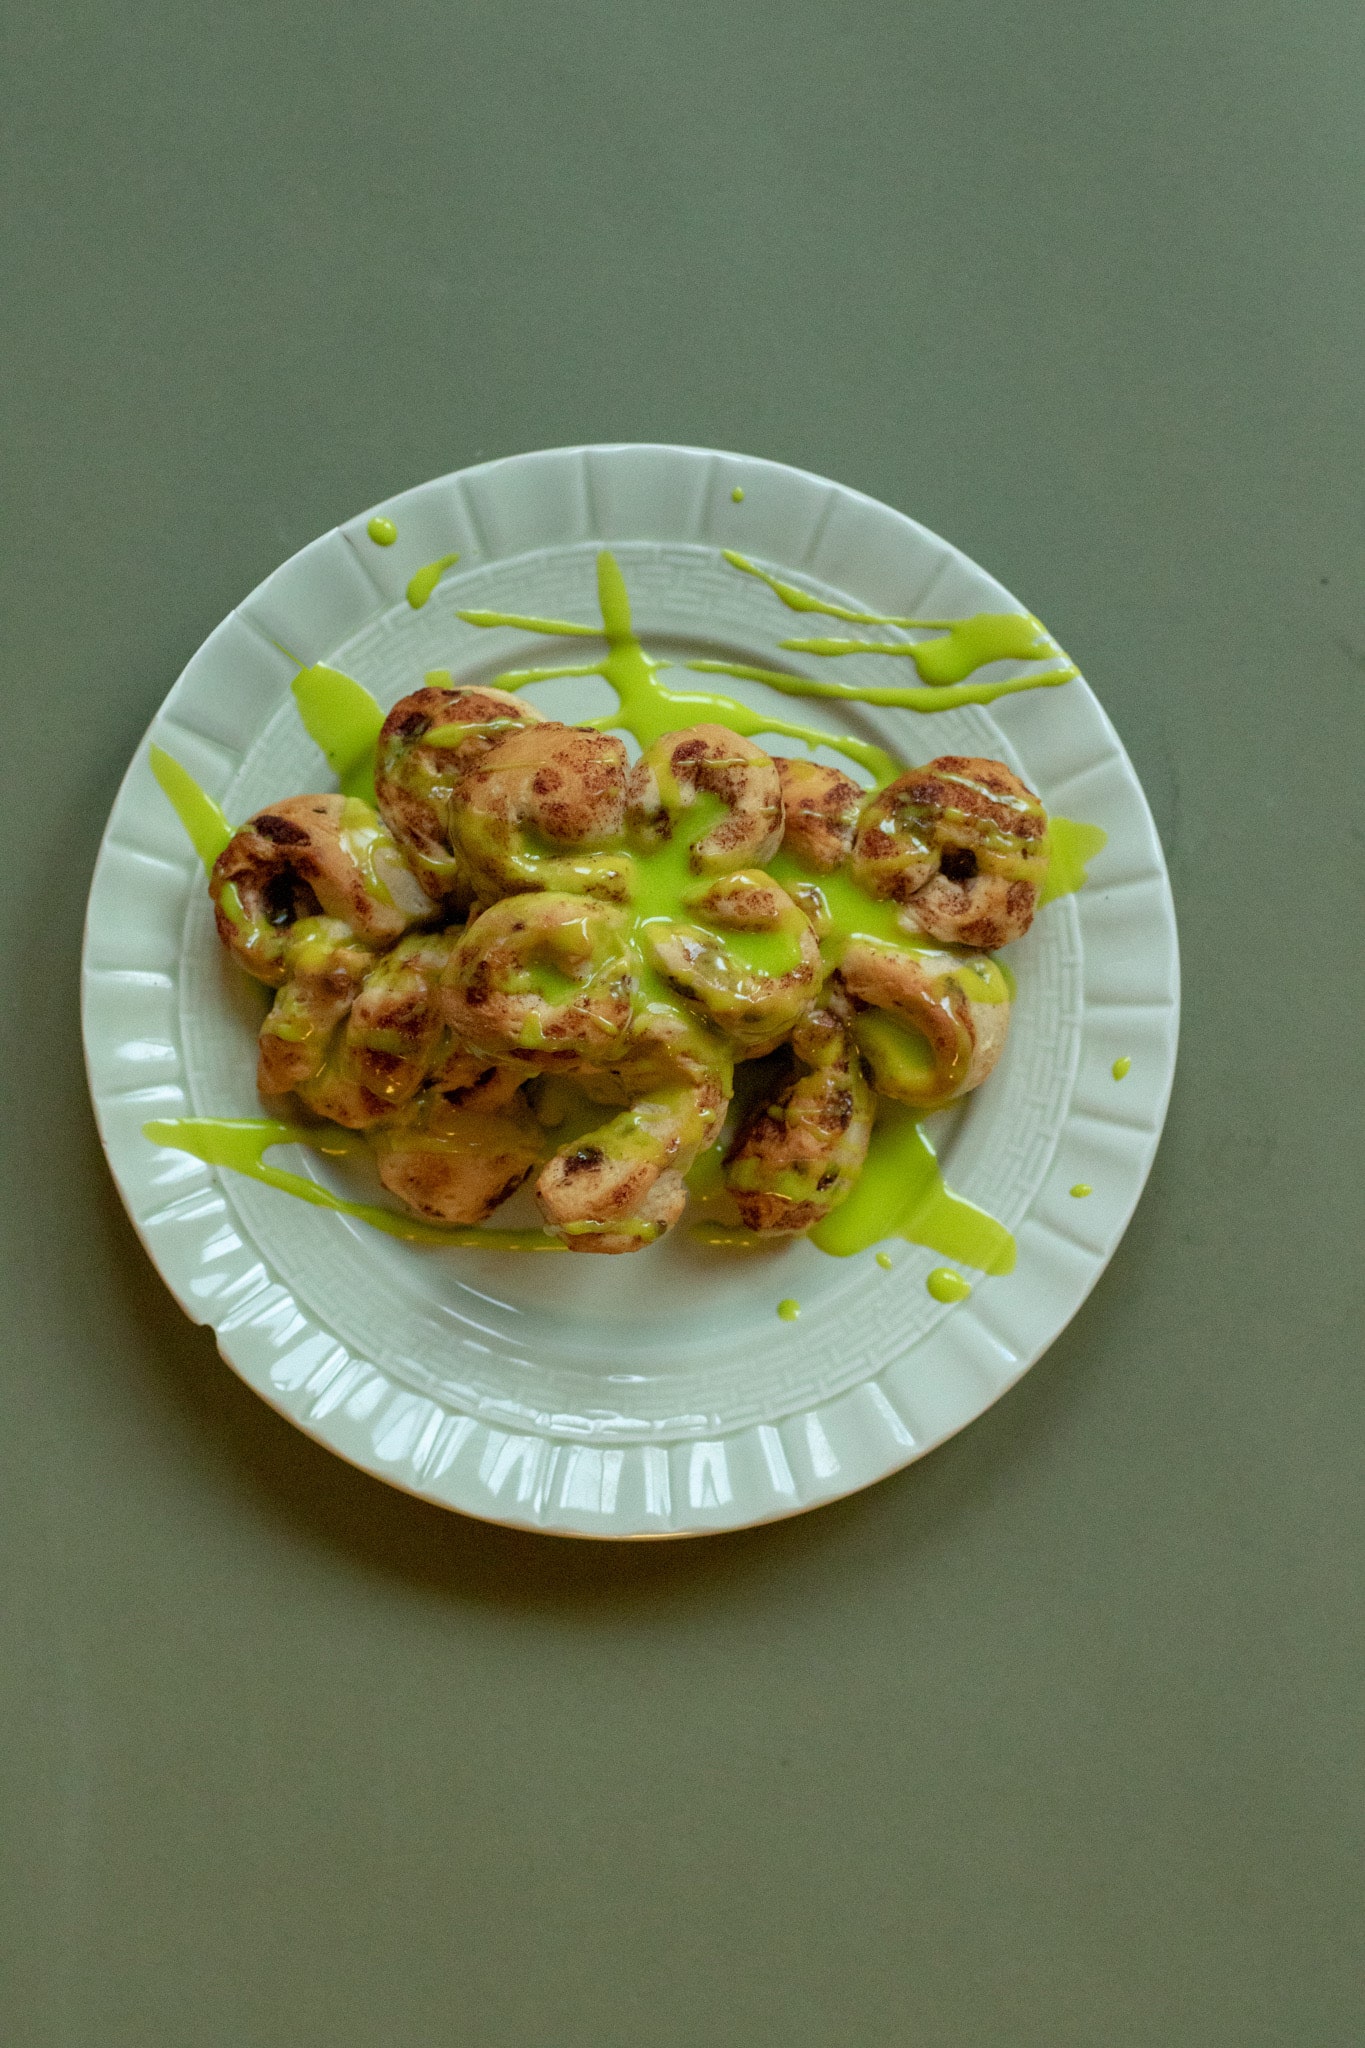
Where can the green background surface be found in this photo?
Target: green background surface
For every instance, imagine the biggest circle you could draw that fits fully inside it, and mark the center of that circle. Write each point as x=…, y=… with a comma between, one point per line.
x=1053, y=1740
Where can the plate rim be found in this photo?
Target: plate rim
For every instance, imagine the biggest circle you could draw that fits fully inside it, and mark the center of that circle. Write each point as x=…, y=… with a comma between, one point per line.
x=475, y=1488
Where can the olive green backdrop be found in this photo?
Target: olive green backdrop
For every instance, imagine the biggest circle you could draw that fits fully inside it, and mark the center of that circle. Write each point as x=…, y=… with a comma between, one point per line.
x=1051, y=1741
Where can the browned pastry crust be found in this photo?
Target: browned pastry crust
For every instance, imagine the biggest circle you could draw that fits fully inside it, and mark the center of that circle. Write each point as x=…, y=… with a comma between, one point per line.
x=669, y=776
x=962, y=843
x=821, y=809
x=799, y=1152
x=490, y=1000
x=921, y=990
x=416, y=781
x=537, y=798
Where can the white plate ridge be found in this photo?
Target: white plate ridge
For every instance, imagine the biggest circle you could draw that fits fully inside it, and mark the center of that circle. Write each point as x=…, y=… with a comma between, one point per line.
x=655, y=1395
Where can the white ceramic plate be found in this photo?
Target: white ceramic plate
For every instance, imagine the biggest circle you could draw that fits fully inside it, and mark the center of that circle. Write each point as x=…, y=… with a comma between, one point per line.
x=657, y=1394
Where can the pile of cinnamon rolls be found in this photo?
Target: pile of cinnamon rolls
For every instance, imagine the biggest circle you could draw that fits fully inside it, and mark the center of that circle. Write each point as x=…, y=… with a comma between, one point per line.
x=526, y=904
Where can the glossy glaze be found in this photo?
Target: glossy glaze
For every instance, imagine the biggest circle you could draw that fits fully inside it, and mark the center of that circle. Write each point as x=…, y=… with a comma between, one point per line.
x=901, y=1191
x=242, y=1143
x=425, y=581
x=206, y=827
x=343, y=719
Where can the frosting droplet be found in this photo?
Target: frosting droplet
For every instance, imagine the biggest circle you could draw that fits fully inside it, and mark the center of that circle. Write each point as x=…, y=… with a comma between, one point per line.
x=1081, y=1188
x=946, y=1285
x=1122, y=1067
x=208, y=830
x=382, y=531
x=426, y=580
x=738, y=494
x=884, y=1261
x=789, y=1310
